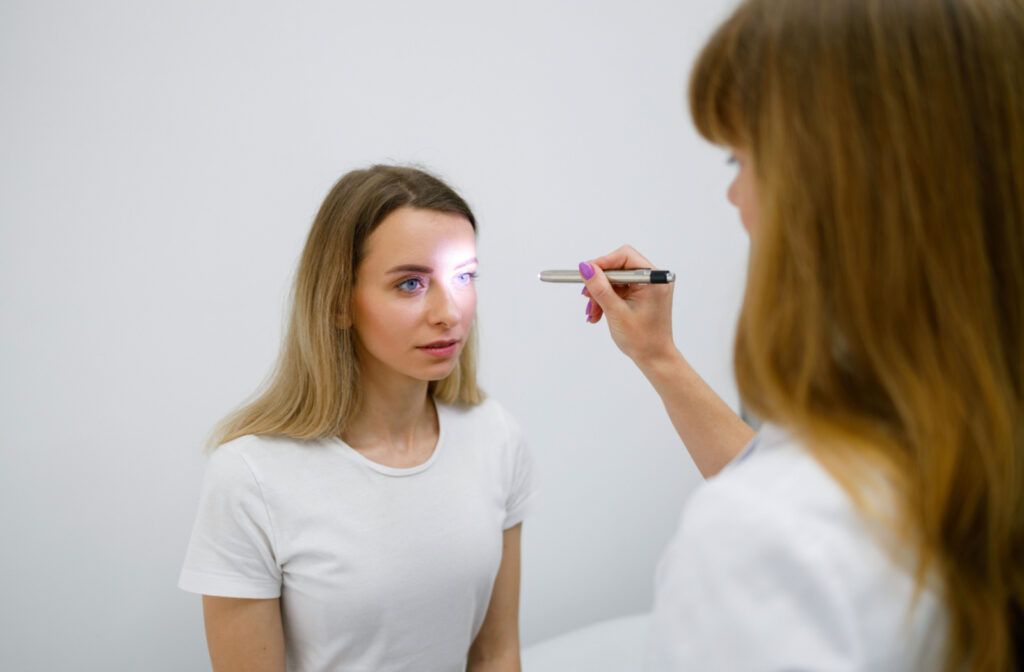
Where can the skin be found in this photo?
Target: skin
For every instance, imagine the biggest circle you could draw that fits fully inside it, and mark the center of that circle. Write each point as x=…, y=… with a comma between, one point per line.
x=496, y=647
x=244, y=635
x=742, y=191
x=414, y=287
x=640, y=323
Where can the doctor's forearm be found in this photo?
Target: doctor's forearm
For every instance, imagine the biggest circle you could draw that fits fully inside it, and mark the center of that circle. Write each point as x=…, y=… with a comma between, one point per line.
x=712, y=433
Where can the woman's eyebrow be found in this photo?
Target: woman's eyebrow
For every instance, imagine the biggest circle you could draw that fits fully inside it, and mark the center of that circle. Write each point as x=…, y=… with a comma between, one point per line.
x=411, y=268
x=416, y=268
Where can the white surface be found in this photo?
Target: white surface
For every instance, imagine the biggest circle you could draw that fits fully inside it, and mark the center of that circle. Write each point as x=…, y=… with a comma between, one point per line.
x=614, y=645
x=161, y=163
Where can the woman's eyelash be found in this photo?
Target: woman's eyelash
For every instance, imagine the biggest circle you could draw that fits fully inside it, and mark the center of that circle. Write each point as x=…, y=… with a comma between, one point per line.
x=415, y=283
x=403, y=285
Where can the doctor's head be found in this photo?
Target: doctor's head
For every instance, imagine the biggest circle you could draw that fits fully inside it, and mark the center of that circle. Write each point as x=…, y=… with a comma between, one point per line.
x=885, y=140
x=883, y=305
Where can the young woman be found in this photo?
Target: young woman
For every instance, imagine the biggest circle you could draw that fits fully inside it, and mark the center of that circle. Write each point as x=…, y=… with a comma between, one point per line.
x=364, y=511
x=877, y=520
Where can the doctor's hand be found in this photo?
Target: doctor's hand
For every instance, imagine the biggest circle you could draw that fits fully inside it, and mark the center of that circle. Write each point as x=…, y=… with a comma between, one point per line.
x=640, y=321
x=639, y=316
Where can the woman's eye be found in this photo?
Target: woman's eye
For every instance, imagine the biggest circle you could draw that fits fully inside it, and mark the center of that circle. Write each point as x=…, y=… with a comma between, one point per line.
x=410, y=285
x=466, y=278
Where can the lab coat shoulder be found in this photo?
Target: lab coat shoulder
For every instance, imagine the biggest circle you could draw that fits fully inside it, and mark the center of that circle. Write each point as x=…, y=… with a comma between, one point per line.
x=749, y=584
x=772, y=568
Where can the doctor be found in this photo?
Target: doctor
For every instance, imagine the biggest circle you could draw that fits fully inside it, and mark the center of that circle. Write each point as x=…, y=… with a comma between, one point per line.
x=877, y=520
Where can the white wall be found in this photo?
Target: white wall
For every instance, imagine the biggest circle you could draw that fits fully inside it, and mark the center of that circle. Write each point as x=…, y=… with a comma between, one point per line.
x=161, y=164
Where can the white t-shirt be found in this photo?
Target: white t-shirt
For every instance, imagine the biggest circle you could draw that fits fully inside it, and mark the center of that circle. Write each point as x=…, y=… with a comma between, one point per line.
x=377, y=568
x=773, y=569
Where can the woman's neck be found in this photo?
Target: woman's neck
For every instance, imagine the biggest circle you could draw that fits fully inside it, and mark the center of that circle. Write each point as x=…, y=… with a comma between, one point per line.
x=397, y=424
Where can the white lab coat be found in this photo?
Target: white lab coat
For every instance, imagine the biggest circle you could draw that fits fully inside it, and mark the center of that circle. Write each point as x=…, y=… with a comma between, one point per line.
x=773, y=569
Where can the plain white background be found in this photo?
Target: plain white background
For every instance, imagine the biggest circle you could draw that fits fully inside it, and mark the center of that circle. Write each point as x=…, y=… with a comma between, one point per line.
x=161, y=165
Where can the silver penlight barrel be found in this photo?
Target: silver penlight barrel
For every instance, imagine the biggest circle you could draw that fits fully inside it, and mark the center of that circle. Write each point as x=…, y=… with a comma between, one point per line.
x=625, y=277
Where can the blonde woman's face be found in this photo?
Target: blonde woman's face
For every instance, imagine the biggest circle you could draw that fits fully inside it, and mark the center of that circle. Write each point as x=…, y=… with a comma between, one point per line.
x=743, y=190
x=414, y=297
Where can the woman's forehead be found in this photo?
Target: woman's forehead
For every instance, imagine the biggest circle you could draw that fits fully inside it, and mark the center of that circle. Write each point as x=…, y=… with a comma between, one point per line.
x=417, y=236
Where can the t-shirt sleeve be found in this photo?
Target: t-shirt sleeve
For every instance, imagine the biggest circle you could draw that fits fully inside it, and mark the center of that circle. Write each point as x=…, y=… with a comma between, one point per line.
x=524, y=488
x=231, y=551
x=743, y=588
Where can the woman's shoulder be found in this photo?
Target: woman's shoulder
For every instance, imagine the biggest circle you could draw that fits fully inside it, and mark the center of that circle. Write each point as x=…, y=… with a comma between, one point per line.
x=263, y=455
x=489, y=416
x=256, y=446
x=485, y=430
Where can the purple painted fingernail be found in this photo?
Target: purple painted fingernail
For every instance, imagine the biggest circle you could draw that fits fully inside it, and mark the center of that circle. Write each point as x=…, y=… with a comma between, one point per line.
x=586, y=271
x=584, y=292
x=590, y=304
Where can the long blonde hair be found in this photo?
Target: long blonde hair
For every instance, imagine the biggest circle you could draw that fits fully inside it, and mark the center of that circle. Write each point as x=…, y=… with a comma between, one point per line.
x=883, y=319
x=315, y=388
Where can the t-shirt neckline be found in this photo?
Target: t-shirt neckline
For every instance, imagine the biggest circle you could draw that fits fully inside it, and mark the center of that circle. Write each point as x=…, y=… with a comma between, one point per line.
x=400, y=471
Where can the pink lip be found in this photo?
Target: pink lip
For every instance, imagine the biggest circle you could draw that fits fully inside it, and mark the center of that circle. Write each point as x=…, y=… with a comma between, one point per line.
x=440, y=348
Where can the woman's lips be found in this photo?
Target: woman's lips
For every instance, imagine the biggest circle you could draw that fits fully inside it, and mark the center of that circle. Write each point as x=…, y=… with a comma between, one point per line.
x=440, y=348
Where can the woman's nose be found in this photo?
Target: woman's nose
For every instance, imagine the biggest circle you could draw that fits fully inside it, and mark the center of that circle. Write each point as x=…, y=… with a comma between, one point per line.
x=444, y=309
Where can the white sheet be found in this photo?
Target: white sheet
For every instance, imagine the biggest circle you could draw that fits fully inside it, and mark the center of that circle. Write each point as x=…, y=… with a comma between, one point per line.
x=615, y=645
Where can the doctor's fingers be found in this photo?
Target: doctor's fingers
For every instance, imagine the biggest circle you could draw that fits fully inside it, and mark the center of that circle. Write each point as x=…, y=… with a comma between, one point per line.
x=604, y=298
x=609, y=298
x=624, y=257
x=643, y=323
x=593, y=308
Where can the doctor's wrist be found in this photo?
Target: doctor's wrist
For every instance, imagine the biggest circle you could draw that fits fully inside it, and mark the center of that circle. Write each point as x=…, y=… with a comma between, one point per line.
x=663, y=365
